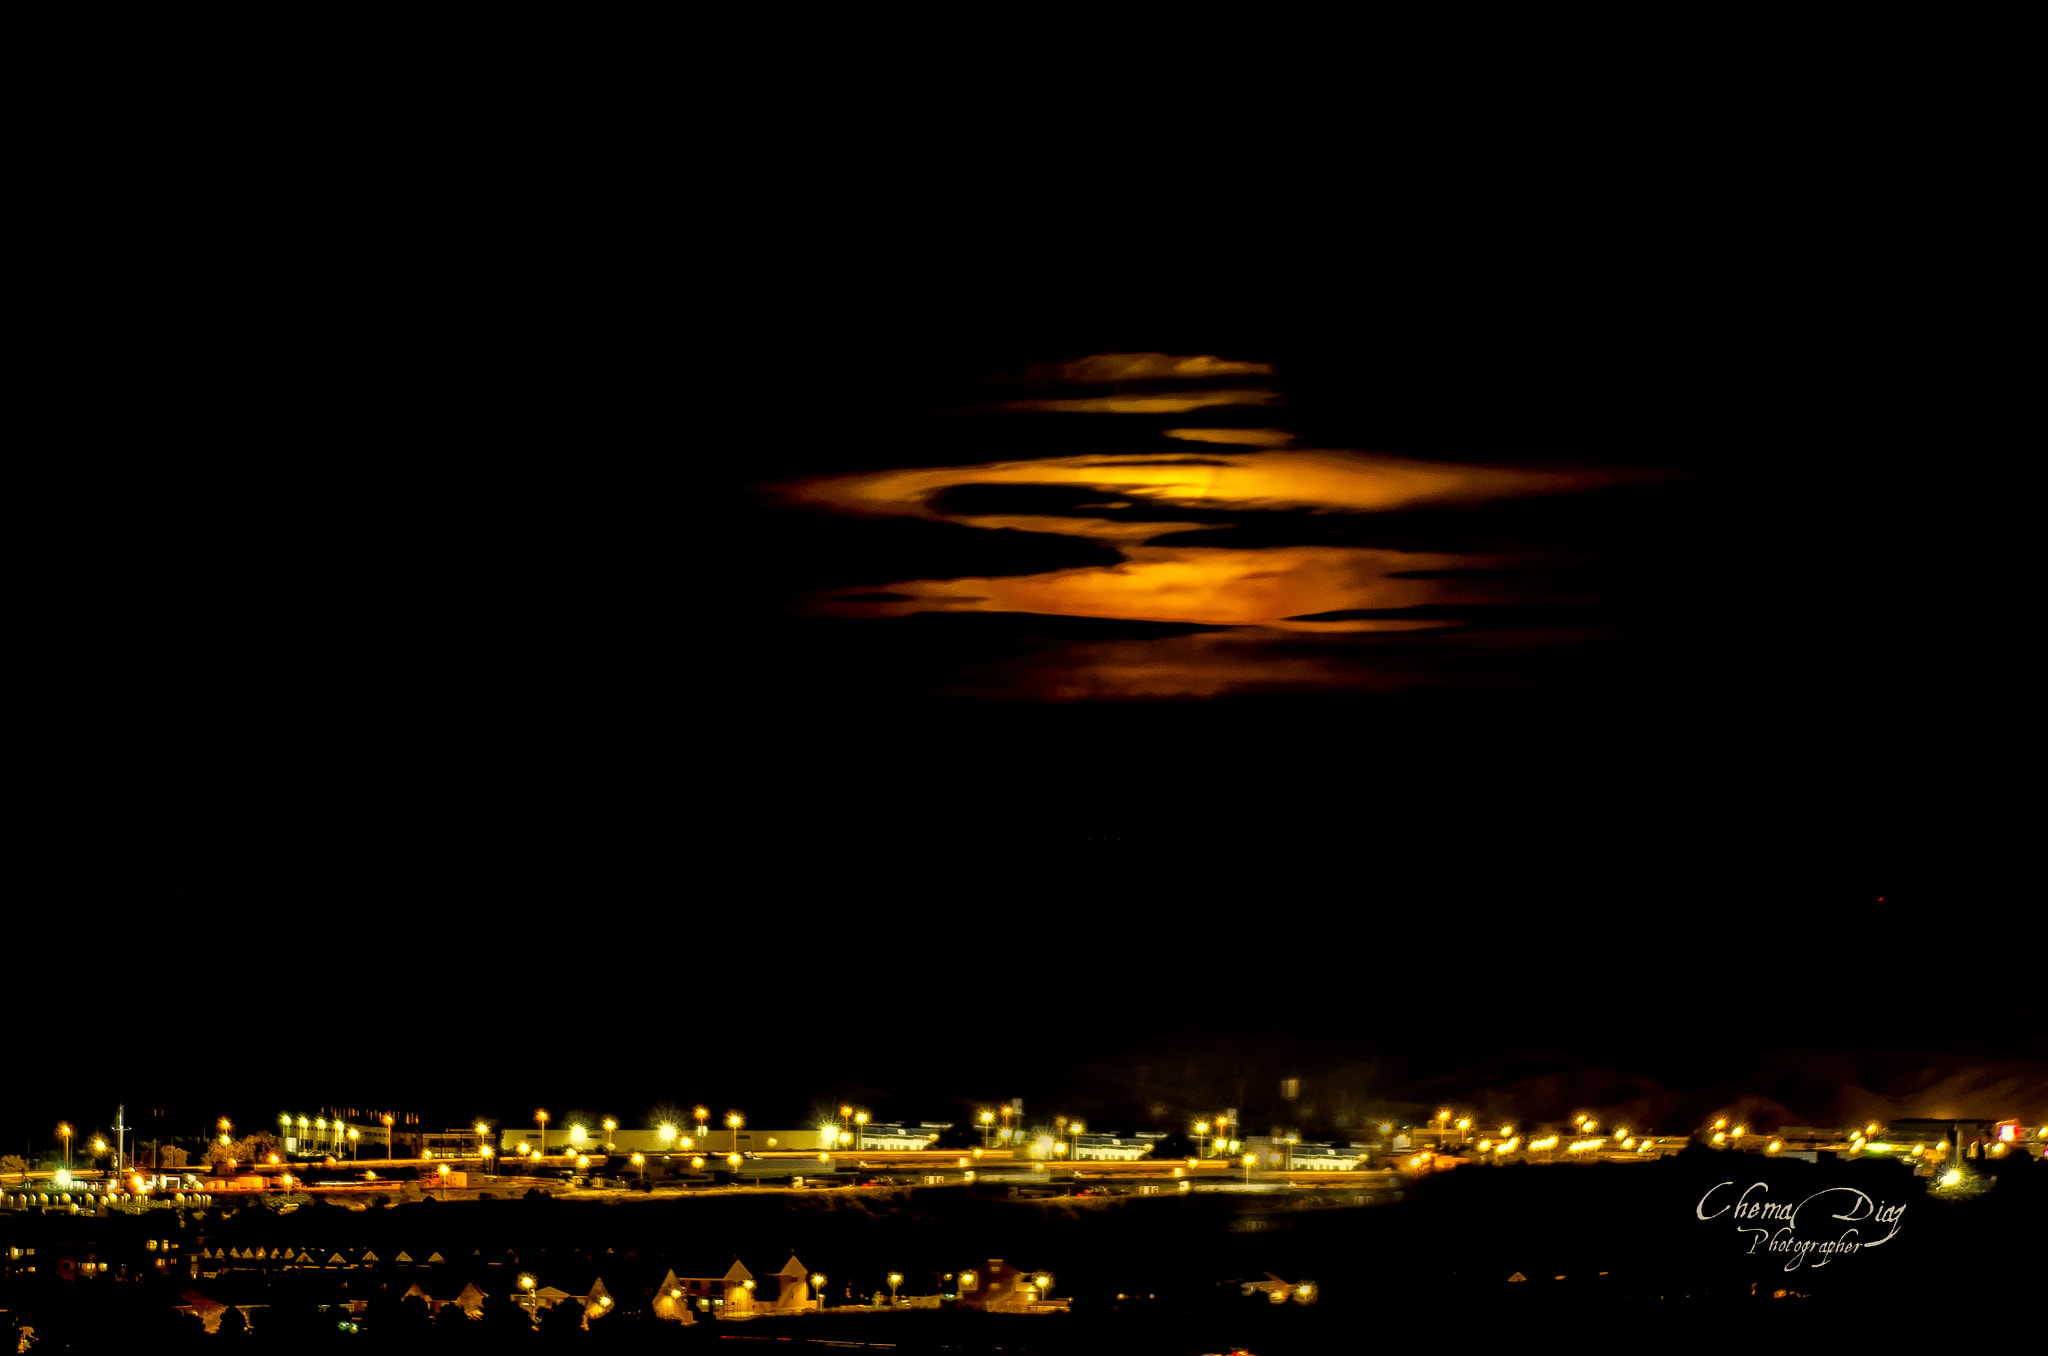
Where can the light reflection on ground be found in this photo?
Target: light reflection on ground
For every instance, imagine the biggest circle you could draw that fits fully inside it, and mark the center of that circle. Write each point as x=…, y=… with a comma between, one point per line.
x=1264, y=593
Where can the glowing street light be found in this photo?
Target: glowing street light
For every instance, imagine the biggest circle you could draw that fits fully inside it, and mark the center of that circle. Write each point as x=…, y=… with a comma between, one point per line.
x=355, y=1137
x=540, y=1118
x=988, y=1119
x=388, y=1118
x=610, y=1125
x=64, y=1132
x=895, y=1279
x=1201, y=1138
x=700, y=1113
x=667, y=1135
x=640, y=1162
x=532, y=1302
x=1249, y=1160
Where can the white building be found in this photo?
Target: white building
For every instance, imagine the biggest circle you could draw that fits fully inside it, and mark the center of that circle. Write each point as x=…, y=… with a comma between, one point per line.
x=1110, y=1149
x=711, y=1141
x=1276, y=1153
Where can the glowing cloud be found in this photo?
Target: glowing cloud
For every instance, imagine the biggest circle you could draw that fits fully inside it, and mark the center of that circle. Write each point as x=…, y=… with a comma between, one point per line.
x=1104, y=368
x=1242, y=437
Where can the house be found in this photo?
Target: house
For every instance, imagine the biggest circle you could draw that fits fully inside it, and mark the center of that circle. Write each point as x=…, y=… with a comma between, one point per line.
x=999, y=1286
x=211, y=1307
x=584, y=1286
x=792, y=1290
x=441, y=1290
x=705, y=1286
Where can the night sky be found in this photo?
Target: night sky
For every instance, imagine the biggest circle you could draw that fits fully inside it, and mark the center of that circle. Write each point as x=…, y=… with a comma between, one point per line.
x=441, y=713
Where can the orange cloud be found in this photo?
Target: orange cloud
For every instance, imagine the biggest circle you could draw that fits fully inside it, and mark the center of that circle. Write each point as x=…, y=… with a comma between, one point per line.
x=1104, y=368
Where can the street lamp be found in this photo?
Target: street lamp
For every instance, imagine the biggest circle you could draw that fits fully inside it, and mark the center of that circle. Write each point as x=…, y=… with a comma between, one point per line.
x=700, y=1113
x=733, y=1122
x=609, y=1126
x=860, y=1120
x=1292, y=1140
x=443, y=1170
x=355, y=1137
x=1201, y=1139
x=988, y=1119
x=640, y=1162
x=388, y=1118
x=63, y=1133
x=1249, y=1159
x=540, y=1118
x=895, y=1279
x=667, y=1135
x=526, y=1284
x=485, y=1153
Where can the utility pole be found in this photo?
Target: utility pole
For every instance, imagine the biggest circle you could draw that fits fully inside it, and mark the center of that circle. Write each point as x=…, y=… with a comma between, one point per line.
x=120, y=1137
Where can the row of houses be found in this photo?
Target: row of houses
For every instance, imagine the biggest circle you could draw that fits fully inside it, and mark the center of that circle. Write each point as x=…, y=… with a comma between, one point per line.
x=730, y=1291
x=677, y=1294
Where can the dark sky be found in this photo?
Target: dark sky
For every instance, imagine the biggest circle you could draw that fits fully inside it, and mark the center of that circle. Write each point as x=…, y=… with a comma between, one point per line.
x=422, y=714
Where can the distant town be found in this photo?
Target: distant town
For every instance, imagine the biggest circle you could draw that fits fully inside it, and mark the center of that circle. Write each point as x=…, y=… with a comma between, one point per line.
x=311, y=1210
